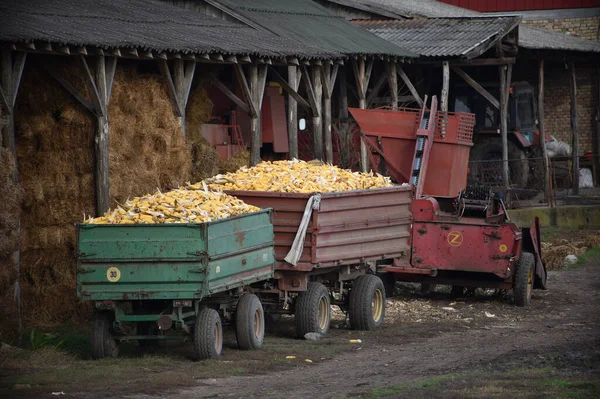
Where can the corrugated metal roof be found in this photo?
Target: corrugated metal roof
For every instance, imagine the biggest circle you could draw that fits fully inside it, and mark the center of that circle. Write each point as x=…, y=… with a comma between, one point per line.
x=529, y=38
x=145, y=24
x=443, y=37
x=309, y=22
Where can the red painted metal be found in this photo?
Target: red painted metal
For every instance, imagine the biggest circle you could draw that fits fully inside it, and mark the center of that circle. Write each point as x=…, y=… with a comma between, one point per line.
x=349, y=227
x=449, y=157
x=523, y=5
x=274, y=123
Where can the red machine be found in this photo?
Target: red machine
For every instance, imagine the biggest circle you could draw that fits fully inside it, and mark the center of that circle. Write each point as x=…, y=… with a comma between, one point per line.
x=461, y=236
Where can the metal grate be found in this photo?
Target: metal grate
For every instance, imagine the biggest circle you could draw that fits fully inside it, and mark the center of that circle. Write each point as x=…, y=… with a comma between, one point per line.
x=465, y=125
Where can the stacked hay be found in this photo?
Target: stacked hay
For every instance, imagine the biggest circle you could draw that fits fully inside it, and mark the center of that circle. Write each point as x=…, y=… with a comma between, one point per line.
x=555, y=250
x=147, y=150
x=199, y=111
x=234, y=163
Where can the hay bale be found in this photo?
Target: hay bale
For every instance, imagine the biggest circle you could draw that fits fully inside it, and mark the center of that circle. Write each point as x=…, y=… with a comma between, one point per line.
x=11, y=196
x=205, y=160
x=234, y=163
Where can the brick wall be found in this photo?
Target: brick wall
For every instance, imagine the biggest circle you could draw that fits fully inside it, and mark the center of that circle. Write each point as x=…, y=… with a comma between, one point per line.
x=587, y=28
x=557, y=105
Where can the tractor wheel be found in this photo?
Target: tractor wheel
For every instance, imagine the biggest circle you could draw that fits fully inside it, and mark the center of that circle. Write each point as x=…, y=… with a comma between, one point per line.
x=103, y=342
x=490, y=149
x=249, y=322
x=457, y=291
x=313, y=310
x=208, y=335
x=367, y=303
x=524, y=277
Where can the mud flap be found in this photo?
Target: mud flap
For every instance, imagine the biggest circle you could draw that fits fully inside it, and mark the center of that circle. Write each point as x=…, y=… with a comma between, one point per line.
x=540, y=266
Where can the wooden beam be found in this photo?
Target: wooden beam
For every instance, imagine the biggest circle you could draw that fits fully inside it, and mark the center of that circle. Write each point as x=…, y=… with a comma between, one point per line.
x=292, y=114
x=317, y=121
x=368, y=74
x=72, y=91
x=146, y=55
x=359, y=71
x=292, y=92
x=445, y=86
x=102, y=140
x=486, y=94
x=410, y=86
x=244, y=58
x=232, y=58
x=262, y=81
x=376, y=89
x=47, y=47
x=255, y=128
x=117, y=53
x=327, y=91
x=17, y=73
x=393, y=83
x=217, y=57
x=171, y=90
x=362, y=83
x=504, y=86
x=475, y=62
x=314, y=106
x=111, y=68
x=541, y=123
x=241, y=77
x=574, y=128
x=293, y=61
x=5, y=101
x=344, y=133
x=64, y=50
x=190, y=69
x=231, y=95
x=333, y=78
x=98, y=104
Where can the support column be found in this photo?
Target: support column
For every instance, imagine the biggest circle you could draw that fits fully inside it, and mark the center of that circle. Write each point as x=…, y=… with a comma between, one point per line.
x=102, y=141
x=445, y=86
x=345, y=140
x=317, y=121
x=574, y=127
x=255, y=133
x=362, y=75
x=328, y=81
x=292, y=121
x=504, y=126
x=393, y=83
x=547, y=194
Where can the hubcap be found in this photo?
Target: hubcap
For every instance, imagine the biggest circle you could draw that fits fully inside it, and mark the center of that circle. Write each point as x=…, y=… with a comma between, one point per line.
x=377, y=305
x=258, y=326
x=323, y=313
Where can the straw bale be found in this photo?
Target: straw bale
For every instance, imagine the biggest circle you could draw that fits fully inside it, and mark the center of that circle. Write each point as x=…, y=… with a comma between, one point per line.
x=205, y=160
x=11, y=194
x=234, y=163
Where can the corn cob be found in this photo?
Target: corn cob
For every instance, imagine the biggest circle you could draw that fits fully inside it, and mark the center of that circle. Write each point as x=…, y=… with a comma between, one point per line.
x=296, y=177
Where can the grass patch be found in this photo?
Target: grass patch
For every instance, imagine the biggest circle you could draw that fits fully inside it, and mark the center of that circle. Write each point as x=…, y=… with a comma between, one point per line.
x=590, y=254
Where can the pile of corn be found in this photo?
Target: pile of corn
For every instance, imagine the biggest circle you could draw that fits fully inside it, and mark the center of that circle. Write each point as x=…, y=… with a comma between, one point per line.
x=185, y=205
x=296, y=177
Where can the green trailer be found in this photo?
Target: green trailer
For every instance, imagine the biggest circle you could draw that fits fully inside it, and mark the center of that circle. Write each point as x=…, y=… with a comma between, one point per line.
x=153, y=282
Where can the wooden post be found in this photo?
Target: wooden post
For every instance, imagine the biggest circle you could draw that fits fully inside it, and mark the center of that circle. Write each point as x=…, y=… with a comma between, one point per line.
x=10, y=79
x=362, y=75
x=328, y=80
x=543, y=132
x=574, y=127
x=393, y=83
x=255, y=133
x=504, y=127
x=445, y=86
x=102, y=140
x=345, y=140
x=292, y=121
x=597, y=157
x=317, y=122
x=179, y=85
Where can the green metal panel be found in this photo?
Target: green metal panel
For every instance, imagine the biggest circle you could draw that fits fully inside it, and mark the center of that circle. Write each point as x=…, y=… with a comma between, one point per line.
x=169, y=261
x=98, y=243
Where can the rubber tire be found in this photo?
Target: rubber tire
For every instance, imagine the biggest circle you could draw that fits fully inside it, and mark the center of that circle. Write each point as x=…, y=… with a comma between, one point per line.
x=245, y=323
x=457, y=291
x=389, y=282
x=361, y=297
x=103, y=343
x=427, y=288
x=204, y=337
x=483, y=150
x=522, y=296
x=307, y=310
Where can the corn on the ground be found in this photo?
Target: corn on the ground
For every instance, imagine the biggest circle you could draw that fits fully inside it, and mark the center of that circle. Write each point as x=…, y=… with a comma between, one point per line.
x=184, y=205
x=296, y=177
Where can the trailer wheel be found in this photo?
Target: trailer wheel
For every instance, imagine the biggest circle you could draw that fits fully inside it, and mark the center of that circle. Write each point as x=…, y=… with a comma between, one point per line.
x=367, y=303
x=249, y=322
x=524, y=276
x=208, y=335
x=313, y=310
x=103, y=342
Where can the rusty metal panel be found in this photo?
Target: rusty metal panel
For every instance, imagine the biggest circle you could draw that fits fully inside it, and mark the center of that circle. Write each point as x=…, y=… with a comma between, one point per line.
x=349, y=227
x=467, y=245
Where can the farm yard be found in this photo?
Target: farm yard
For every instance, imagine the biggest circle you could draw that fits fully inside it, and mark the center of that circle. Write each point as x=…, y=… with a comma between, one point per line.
x=431, y=345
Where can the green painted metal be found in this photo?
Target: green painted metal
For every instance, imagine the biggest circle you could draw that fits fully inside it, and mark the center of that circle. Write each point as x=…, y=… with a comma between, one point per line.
x=173, y=261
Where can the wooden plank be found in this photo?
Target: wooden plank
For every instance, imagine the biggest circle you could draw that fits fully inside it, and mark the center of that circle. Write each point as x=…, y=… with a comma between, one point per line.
x=111, y=68
x=393, y=83
x=231, y=95
x=293, y=93
x=241, y=77
x=445, y=86
x=255, y=128
x=376, y=89
x=102, y=172
x=292, y=114
x=504, y=128
x=314, y=106
x=317, y=121
x=410, y=86
x=547, y=194
x=73, y=91
x=171, y=91
x=327, y=89
x=574, y=127
x=471, y=82
x=91, y=83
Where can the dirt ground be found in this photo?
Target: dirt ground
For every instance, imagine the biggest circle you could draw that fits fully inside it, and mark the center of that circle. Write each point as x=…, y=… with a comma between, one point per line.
x=430, y=346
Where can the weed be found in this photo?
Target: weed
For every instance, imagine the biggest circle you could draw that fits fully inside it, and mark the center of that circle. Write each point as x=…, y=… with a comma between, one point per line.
x=38, y=340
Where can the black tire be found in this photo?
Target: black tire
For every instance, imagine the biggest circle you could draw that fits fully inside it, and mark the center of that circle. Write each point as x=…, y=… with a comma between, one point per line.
x=249, y=322
x=427, y=288
x=389, y=282
x=103, y=343
x=524, y=278
x=208, y=335
x=367, y=303
x=490, y=149
x=313, y=310
x=457, y=291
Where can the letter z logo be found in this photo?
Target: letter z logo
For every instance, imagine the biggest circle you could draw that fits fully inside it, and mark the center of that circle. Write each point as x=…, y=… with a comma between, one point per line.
x=455, y=239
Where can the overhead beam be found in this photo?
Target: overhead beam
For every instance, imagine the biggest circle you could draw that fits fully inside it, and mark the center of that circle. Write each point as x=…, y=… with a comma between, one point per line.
x=90, y=81
x=293, y=92
x=376, y=89
x=308, y=86
x=410, y=86
x=292, y=112
x=478, y=88
x=171, y=90
x=262, y=82
x=72, y=91
x=231, y=95
x=475, y=62
x=241, y=77
x=391, y=69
